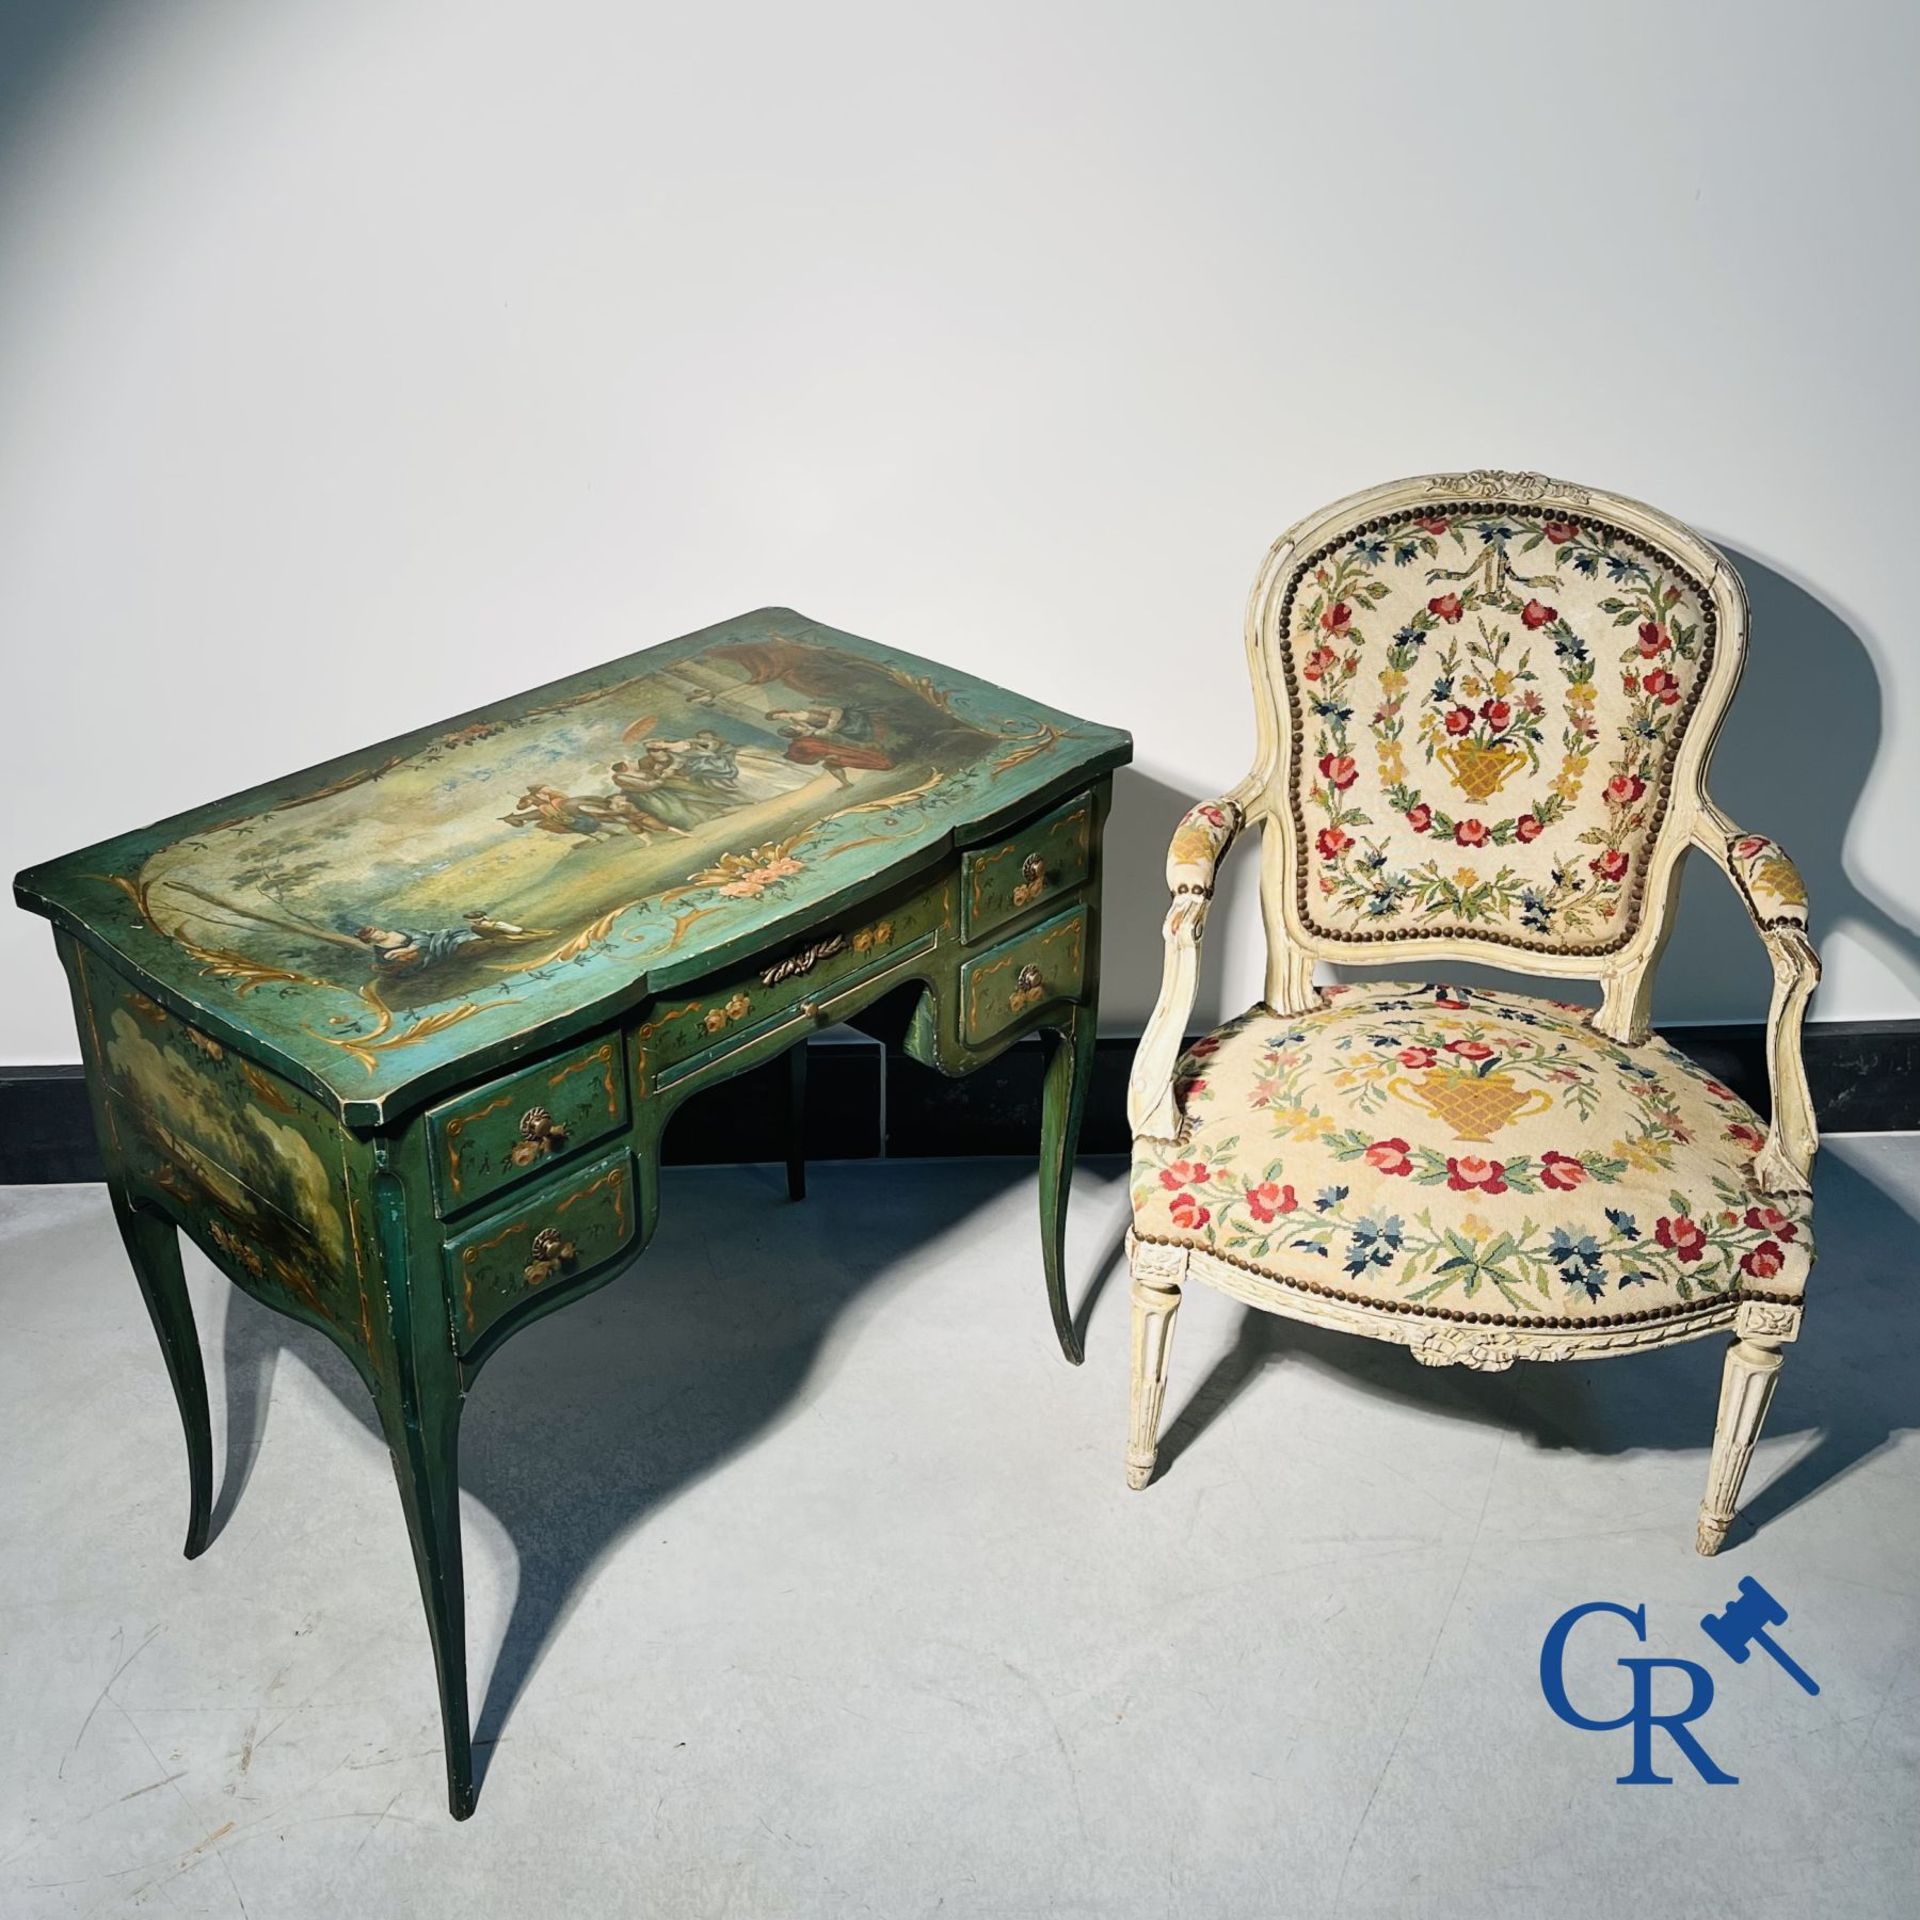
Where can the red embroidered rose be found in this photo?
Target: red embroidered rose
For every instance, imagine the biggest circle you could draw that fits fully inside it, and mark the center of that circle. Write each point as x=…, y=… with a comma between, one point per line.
x=1268, y=1199
x=1611, y=865
x=1763, y=1262
x=1447, y=607
x=1340, y=769
x=1653, y=639
x=1471, y=1174
x=1771, y=1220
x=1470, y=1049
x=1336, y=617
x=1749, y=846
x=1420, y=818
x=1561, y=1171
x=1560, y=531
x=1624, y=789
x=1332, y=843
x=1662, y=685
x=1184, y=1173
x=1188, y=1212
x=1388, y=1156
x=1750, y=1138
x=1527, y=828
x=1434, y=525
x=1204, y=1049
x=1496, y=713
x=1470, y=833
x=1680, y=1236
x=1417, y=1057
x=1534, y=615
x=1459, y=720
x=1318, y=661
x=1719, y=1089
x=1448, y=1000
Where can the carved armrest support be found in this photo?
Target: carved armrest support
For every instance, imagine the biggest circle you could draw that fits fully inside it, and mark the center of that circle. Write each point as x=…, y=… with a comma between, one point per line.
x=1200, y=843
x=1775, y=897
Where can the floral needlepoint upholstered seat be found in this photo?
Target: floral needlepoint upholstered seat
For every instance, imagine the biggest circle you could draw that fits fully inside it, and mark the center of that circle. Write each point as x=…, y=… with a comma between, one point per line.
x=1486, y=703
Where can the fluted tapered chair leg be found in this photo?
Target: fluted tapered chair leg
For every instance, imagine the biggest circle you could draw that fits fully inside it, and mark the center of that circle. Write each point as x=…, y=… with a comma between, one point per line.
x=1157, y=1273
x=1746, y=1387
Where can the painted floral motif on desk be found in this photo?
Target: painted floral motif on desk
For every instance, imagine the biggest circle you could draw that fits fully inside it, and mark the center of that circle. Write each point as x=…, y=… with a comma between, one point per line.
x=1488, y=704
x=534, y=856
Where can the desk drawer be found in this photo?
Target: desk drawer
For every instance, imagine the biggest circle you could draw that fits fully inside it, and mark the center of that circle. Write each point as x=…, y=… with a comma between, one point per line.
x=491, y=1139
x=777, y=987
x=568, y=1225
x=1029, y=870
x=1001, y=987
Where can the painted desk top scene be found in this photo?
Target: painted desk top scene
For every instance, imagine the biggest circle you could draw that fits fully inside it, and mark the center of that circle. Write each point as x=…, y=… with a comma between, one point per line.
x=386, y=922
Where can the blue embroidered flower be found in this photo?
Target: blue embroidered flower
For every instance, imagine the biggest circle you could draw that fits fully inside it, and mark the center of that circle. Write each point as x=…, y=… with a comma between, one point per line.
x=1374, y=1243
x=1623, y=1223
x=1578, y=1261
x=1330, y=1197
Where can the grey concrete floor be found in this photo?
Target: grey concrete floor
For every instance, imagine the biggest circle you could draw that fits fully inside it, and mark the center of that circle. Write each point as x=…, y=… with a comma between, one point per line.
x=803, y=1580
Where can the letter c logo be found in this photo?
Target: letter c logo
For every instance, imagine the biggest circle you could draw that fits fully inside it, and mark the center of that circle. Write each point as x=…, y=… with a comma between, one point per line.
x=1553, y=1653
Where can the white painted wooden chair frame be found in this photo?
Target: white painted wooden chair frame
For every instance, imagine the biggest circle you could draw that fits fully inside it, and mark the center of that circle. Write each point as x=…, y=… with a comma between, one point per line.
x=1262, y=798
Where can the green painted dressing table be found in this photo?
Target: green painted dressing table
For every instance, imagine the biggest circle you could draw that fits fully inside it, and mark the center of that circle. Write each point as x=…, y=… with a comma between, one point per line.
x=395, y=1039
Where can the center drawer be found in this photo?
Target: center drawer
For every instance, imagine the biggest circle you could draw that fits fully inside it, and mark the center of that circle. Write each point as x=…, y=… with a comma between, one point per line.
x=779, y=987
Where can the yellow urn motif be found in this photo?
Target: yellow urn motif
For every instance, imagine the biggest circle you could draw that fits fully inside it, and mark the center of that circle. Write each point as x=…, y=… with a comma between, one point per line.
x=1481, y=771
x=1475, y=1105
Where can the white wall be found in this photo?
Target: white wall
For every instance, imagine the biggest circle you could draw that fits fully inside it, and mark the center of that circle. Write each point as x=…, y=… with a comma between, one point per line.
x=359, y=362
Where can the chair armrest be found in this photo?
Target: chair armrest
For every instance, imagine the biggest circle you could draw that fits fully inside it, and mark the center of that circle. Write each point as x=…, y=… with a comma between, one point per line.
x=1775, y=897
x=1200, y=843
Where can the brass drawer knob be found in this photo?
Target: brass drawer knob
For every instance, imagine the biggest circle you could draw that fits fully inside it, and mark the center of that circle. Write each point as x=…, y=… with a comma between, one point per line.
x=539, y=1134
x=1029, y=989
x=1033, y=880
x=552, y=1251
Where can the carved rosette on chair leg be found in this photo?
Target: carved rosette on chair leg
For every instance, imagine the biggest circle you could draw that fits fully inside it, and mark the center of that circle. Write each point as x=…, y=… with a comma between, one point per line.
x=1157, y=1273
x=1746, y=1387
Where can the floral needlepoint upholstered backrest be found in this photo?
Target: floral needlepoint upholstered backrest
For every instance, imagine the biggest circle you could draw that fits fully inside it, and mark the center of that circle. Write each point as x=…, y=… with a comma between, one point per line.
x=1491, y=697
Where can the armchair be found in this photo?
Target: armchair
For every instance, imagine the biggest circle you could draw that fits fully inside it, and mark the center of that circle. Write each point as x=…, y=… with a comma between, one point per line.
x=1486, y=703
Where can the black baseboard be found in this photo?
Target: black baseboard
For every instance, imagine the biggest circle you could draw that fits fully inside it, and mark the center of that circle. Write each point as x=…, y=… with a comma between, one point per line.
x=870, y=1102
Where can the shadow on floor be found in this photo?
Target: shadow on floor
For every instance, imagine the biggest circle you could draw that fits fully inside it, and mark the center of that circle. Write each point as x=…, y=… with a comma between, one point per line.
x=1849, y=1383
x=594, y=1417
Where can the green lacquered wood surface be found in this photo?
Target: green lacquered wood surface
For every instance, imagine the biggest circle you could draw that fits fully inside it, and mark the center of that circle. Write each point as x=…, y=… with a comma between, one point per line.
x=1034, y=868
x=379, y=928
x=420, y=1230
x=495, y=1265
x=524, y=1124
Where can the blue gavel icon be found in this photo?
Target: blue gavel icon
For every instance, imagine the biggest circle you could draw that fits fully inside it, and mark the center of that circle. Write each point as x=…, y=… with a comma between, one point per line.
x=1742, y=1625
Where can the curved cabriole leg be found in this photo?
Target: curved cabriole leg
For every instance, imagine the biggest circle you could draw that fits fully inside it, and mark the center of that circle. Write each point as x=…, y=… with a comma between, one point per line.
x=1746, y=1386
x=1157, y=1273
x=422, y=1424
x=153, y=1245
x=797, y=1122
x=1063, y=1103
